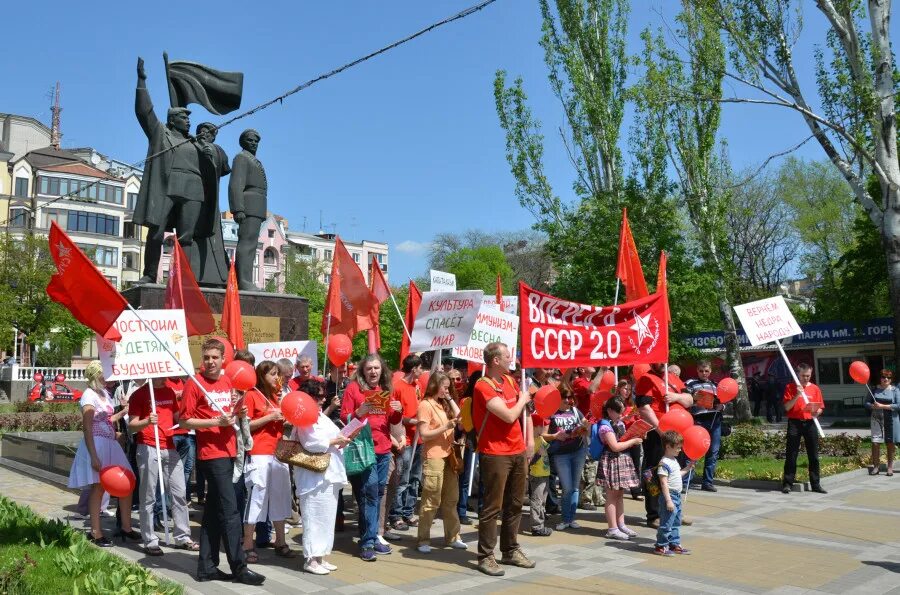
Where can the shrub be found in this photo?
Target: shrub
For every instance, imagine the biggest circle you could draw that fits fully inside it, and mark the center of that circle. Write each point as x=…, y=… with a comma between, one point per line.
x=39, y=422
x=41, y=407
x=745, y=441
x=27, y=407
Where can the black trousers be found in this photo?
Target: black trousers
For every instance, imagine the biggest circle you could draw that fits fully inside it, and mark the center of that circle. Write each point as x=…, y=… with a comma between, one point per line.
x=653, y=454
x=806, y=429
x=221, y=524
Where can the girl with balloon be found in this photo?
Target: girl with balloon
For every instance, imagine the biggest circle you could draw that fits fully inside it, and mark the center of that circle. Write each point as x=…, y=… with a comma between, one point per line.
x=100, y=462
x=267, y=479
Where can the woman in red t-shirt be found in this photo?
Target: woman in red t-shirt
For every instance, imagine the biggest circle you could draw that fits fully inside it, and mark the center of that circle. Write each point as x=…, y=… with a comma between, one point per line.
x=268, y=479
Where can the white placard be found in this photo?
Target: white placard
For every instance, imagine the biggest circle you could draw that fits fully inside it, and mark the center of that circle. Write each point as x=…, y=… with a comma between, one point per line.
x=139, y=354
x=445, y=319
x=510, y=303
x=766, y=320
x=441, y=281
x=491, y=326
x=285, y=349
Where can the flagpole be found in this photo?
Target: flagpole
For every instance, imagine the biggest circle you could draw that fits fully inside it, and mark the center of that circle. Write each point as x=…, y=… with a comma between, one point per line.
x=402, y=322
x=327, y=334
x=162, y=485
x=188, y=373
x=616, y=303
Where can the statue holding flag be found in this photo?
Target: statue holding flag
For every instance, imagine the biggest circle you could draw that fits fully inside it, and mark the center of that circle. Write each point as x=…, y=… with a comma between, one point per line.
x=174, y=191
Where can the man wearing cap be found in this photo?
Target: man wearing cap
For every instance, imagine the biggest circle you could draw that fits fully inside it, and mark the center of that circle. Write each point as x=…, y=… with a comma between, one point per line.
x=172, y=191
x=653, y=400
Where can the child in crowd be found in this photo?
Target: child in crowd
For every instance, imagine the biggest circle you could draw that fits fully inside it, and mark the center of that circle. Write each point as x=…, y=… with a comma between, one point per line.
x=670, y=473
x=539, y=481
x=617, y=472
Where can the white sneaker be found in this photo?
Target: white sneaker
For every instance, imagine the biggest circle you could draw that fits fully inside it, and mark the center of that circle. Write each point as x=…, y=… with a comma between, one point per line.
x=424, y=549
x=574, y=525
x=314, y=568
x=328, y=566
x=616, y=534
x=459, y=544
x=382, y=540
x=562, y=526
x=627, y=531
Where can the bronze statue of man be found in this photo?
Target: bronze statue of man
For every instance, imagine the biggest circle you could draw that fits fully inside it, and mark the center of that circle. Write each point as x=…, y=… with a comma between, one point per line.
x=213, y=260
x=172, y=190
x=247, y=200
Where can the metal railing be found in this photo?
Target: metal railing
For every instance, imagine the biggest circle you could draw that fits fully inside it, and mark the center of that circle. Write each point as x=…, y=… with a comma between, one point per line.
x=28, y=372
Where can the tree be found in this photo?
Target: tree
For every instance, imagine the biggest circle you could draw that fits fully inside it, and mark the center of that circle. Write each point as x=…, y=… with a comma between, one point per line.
x=856, y=126
x=25, y=271
x=477, y=268
x=302, y=274
x=689, y=130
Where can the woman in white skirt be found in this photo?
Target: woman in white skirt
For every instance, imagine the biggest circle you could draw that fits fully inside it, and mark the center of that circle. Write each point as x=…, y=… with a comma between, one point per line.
x=319, y=492
x=97, y=450
x=268, y=480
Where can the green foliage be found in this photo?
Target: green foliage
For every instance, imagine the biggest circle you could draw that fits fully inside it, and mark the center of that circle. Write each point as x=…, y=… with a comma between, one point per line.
x=302, y=276
x=752, y=441
x=45, y=421
x=25, y=271
x=42, y=556
x=770, y=469
x=477, y=268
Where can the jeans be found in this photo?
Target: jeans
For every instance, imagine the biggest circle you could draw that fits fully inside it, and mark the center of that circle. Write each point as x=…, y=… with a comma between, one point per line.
x=186, y=446
x=368, y=488
x=404, y=504
x=221, y=524
x=713, y=424
x=462, y=509
x=806, y=429
x=669, y=532
x=569, y=467
x=504, y=478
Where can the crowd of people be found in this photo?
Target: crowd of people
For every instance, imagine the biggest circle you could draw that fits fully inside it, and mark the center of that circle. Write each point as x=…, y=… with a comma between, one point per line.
x=428, y=440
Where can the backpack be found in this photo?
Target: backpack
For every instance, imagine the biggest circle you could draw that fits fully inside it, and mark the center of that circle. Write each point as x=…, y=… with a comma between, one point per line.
x=596, y=446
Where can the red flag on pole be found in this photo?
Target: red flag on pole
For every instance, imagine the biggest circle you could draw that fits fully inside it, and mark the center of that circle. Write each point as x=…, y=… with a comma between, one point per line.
x=183, y=293
x=81, y=288
x=662, y=284
x=231, y=311
x=499, y=293
x=412, y=308
x=381, y=292
x=628, y=269
x=349, y=301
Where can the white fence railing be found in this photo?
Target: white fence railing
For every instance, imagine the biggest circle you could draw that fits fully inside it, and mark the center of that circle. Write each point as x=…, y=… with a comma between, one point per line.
x=28, y=372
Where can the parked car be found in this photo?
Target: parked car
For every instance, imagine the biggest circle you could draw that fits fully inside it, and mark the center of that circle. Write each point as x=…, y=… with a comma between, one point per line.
x=54, y=390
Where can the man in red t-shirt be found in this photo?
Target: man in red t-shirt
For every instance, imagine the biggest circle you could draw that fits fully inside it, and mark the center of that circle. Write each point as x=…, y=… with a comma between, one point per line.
x=216, y=449
x=141, y=421
x=303, y=372
x=497, y=407
x=409, y=460
x=801, y=413
x=651, y=406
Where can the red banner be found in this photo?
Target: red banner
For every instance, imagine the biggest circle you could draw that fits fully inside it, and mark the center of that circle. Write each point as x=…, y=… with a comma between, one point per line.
x=560, y=333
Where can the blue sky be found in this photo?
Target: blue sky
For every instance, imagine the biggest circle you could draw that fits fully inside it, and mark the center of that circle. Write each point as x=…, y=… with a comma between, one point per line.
x=398, y=149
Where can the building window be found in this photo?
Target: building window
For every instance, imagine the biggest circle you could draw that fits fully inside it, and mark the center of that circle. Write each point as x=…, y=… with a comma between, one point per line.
x=21, y=187
x=828, y=371
x=93, y=223
x=129, y=261
x=327, y=279
x=356, y=257
x=104, y=256
x=18, y=217
x=271, y=233
x=328, y=254
x=270, y=257
x=113, y=280
x=129, y=231
x=132, y=199
x=379, y=258
x=61, y=216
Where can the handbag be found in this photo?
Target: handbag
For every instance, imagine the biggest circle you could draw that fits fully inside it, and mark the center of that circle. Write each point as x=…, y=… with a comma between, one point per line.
x=359, y=455
x=454, y=459
x=292, y=452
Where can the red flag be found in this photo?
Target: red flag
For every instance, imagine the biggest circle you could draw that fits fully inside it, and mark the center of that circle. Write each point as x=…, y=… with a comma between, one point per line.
x=662, y=284
x=499, y=293
x=81, y=288
x=231, y=312
x=183, y=293
x=349, y=301
x=412, y=308
x=628, y=269
x=381, y=292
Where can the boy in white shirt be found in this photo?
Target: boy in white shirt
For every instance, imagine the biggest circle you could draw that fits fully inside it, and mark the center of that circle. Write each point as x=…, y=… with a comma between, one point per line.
x=669, y=472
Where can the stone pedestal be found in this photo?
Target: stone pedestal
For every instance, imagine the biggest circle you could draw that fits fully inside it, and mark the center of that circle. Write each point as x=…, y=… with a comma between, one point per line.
x=267, y=317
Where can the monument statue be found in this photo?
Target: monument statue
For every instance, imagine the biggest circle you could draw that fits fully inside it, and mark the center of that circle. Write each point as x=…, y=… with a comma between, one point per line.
x=247, y=201
x=172, y=192
x=213, y=260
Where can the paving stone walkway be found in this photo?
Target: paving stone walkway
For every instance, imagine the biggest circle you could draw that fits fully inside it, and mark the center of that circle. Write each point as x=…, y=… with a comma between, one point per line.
x=743, y=541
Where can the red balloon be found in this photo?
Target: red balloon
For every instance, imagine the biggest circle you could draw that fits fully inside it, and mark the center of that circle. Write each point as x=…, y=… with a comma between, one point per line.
x=299, y=409
x=677, y=419
x=696, y=442
x=638, y=370
x=228, y=356
x=607, y=381
x=727, y=390
x=547, y=400
x=117, y=480
x=859, y=372
x=241, y=374
x=340, y=348
x=60, y=377
x=597, y=400
x=38, y=377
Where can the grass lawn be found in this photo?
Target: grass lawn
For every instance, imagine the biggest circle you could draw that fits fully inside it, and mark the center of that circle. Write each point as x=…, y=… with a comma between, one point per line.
x=47, y=557
x=770, y=468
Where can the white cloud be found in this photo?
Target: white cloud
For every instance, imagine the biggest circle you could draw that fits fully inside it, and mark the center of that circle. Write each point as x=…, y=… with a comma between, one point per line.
x=411, y=247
